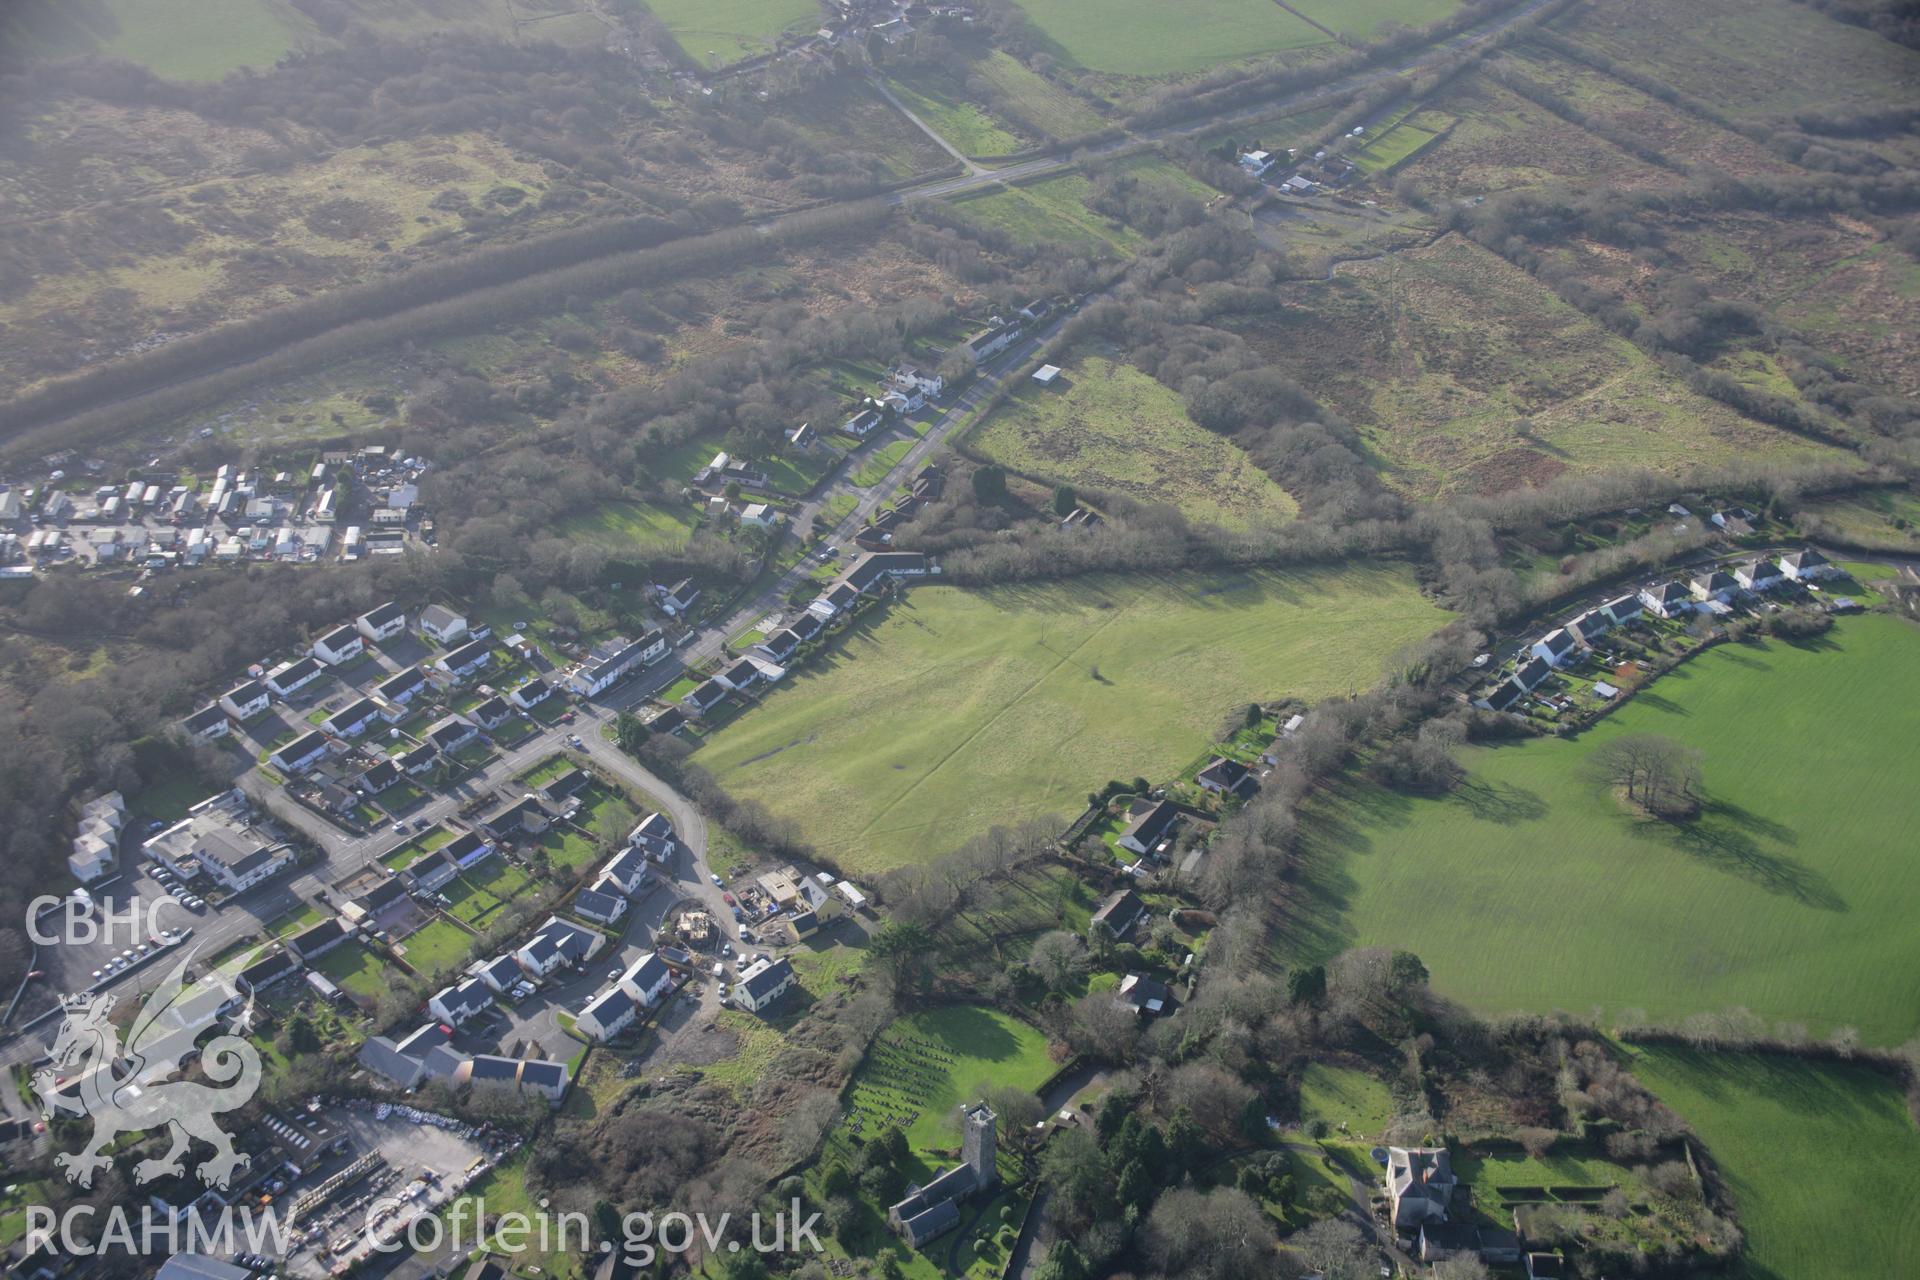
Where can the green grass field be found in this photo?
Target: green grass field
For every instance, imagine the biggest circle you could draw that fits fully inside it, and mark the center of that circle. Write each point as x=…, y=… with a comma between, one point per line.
x=631, y=528
x=958, y=709
x=969, y=126
x=1147, y=38
x=1362, y=18
x=1113, y=427
x=437, y=948
x=1027, y=219
x=1397, y=143
x=1793, y=895
x=355, y=969
x=1823, y=1160
x=1344, y=1097
x=716, y=32
x=924, y=1065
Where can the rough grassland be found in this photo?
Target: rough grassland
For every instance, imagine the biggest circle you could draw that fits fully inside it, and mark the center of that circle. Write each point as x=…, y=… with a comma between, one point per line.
x=1152, y=38
x=177, y=39
x=1793, y=895
x=1751, y=57
x=1463, y=372
x=1361, y=18
x=1823, y=1160
x=957, y=709
x=936, y=99
x=1037, y=99
x=716, y=32
x=1110, y=426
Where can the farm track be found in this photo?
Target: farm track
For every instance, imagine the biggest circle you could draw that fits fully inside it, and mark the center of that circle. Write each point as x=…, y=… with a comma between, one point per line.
x=17, y=434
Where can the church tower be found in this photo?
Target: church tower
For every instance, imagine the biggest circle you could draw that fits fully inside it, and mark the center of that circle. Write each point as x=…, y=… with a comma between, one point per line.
x=977, y=1143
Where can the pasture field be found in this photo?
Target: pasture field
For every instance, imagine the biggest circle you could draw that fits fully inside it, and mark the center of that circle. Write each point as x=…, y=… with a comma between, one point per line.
x=1464, y=373
x=1820, y=1157
x=1036, y=99
x=630, y=528
x=1761, y=57
x=1113, y=427
x=939, y=100
x=716, y=32
x=1362, y=18
x=177, y=39
x=958, y=709
x=1148, y=38
x=926, y=1064
x=1532, y=888
x=1051, y=211
x=1345, y=1096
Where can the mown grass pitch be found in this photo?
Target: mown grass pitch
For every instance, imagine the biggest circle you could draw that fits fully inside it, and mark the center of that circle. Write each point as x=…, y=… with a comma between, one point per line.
x=1823, y=1159
x=1110, y=426
x=958, y=709
x=1793, y=895
x=1151, y=38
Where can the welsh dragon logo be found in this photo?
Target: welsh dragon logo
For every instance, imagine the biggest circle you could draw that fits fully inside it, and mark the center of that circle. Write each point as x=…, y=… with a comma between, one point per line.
x=128, y=1091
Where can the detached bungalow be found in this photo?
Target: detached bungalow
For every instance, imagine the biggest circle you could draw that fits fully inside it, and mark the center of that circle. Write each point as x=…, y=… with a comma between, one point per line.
x=400, y=689
x=353, y=719
x=740, y=676
x=1120, y=913
x=1145, y=996
x=705, y=696
x=780, y=645
x=429, y=871
x=1150, y=828
x=1503, y=697
x=312, y=943
x=492, y=713
x=531, y=694
x=1227, y=778
x=419, y=760
x=1532, y=673
x=451, y=734
x=467, y=849
x=678, y=598
x=526, y=814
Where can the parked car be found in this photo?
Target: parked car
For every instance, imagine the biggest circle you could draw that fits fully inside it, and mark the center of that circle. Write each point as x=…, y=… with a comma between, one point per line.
x=715, y=877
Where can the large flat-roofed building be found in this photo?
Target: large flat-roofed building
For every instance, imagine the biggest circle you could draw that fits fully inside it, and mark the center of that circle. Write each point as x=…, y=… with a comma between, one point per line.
x=218, y=836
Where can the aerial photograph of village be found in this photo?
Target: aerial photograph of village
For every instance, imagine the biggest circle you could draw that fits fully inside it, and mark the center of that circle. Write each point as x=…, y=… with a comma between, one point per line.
x=977, y=640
